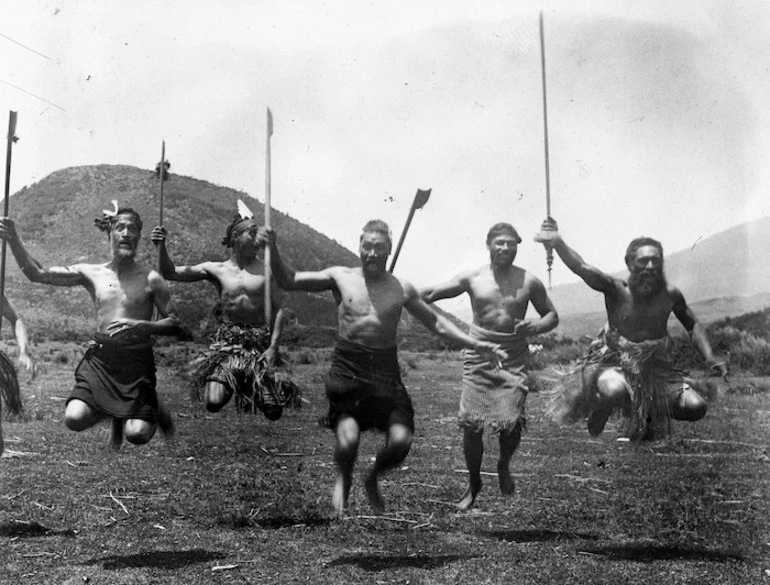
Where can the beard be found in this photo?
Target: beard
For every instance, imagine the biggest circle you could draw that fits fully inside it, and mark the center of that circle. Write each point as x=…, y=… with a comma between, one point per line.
x=123, y=253
x=646, y=283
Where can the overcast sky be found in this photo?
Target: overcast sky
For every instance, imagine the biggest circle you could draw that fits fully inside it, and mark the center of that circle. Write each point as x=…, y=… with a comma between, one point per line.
x=657, y=111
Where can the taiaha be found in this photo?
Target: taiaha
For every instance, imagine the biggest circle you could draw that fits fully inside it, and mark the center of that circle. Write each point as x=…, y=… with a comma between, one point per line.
x=420, y=199
x=548, y=247
x=268, y=186
x=9, y=387
x=162, y=177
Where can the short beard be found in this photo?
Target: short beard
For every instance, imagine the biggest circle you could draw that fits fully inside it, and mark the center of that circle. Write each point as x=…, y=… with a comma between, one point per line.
x=122, y=254
x=646, y=283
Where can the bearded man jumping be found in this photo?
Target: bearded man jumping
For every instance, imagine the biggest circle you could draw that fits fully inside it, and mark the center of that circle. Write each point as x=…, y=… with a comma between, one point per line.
x=630, y=368
x=116, y=377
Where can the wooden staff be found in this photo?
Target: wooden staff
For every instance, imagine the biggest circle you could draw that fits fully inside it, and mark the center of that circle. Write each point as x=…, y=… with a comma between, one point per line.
x=162, y=176
x=548, y=247
x=420, y=199
x=268, y=186
x=11, y=139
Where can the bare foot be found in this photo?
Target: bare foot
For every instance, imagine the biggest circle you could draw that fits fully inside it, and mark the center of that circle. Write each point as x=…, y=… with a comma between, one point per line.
x=373, y=493
x=507, y=485
x=340, y=495
x=469, y=497
x=116, y=434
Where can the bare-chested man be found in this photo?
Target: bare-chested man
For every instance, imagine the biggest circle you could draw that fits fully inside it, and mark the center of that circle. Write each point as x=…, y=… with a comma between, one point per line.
x=500, y=294
x=9, y=382
x=630, y=368
x=116, y=377
x=244, y=354
x=364, y=385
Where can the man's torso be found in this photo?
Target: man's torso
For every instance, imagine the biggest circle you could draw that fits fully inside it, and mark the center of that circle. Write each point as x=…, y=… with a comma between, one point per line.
x=499, y=301
x=241, y=292
x=639, y=319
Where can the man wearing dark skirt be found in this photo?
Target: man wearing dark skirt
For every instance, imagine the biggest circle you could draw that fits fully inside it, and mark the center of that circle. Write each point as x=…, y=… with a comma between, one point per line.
x=364, y=385
x=116, y=377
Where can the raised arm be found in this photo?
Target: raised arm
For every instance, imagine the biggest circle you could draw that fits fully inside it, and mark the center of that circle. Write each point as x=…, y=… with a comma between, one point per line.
x=32, y=269
x=696, y=331
x=591, y=275
x=453, y=287
x=166, y=265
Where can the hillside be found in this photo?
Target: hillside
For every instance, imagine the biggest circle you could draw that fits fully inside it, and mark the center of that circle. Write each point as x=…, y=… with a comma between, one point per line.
x=55, y=217
x=721, y=276
x=729, y=264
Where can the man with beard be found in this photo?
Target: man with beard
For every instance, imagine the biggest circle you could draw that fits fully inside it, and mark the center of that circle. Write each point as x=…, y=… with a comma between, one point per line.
x=500, y=294
x=630, y=367
x=364, y=385
x=116, y=377
x=244, y=353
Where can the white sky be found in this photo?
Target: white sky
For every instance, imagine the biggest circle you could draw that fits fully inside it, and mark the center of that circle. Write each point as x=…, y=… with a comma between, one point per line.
x=658, y=115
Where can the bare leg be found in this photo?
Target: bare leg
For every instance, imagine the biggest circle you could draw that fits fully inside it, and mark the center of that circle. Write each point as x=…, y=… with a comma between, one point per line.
x=509, y=442
x=217, y=395
x=345, y=453
x=116, y=433
x=473, y=449
x=396, y=448
x=165, y=421
x=688, y=405
x=139, y=431
x=612, y=392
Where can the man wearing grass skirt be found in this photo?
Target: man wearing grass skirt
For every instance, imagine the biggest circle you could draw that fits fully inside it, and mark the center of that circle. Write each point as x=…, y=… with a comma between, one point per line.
x=363, y=385
x=629, y=368
x=243, y=359
x=116, y=377
x=500, y=294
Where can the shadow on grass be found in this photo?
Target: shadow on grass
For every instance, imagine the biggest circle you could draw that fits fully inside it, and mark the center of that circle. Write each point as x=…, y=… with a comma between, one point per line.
x=274, y=522
x=165, y=559
x=648, y=553
x=538, y=535
x=375, y=562
x=31, y=530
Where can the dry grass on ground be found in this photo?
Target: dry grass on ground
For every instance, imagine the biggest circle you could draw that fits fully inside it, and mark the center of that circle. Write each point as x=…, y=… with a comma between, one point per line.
x=236, y=499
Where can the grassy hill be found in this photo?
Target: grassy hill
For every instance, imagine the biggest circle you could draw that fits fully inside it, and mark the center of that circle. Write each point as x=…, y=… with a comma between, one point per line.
x=55, y=218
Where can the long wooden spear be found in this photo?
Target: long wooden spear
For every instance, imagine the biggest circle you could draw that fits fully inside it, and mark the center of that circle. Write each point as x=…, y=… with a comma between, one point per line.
x=420, y=199
x=268, y=187
x=11, y=139
x=162, y=175
x=548, y=247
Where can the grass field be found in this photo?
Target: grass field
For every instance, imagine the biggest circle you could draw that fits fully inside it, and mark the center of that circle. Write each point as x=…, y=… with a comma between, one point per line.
x=237, y=499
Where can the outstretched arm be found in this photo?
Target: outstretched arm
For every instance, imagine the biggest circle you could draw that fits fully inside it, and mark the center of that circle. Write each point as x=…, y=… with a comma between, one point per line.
x=33, y=269
x=442, y=326
x=591, y=275
x=450, y=289
x=287, y=277
x=696, y=331
x=166, y=265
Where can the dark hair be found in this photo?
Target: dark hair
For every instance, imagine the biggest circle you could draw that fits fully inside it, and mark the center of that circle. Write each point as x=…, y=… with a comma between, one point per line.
x=233, y=228
x=502, y=228
x=104, y=223
x=377, y=225
x=637, y=243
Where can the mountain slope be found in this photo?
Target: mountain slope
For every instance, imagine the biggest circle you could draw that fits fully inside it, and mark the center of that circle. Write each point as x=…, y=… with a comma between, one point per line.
x=55, y=217
x=728, y=265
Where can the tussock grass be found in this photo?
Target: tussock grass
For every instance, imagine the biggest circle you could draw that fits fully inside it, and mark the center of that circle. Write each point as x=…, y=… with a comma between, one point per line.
x=237, y=499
